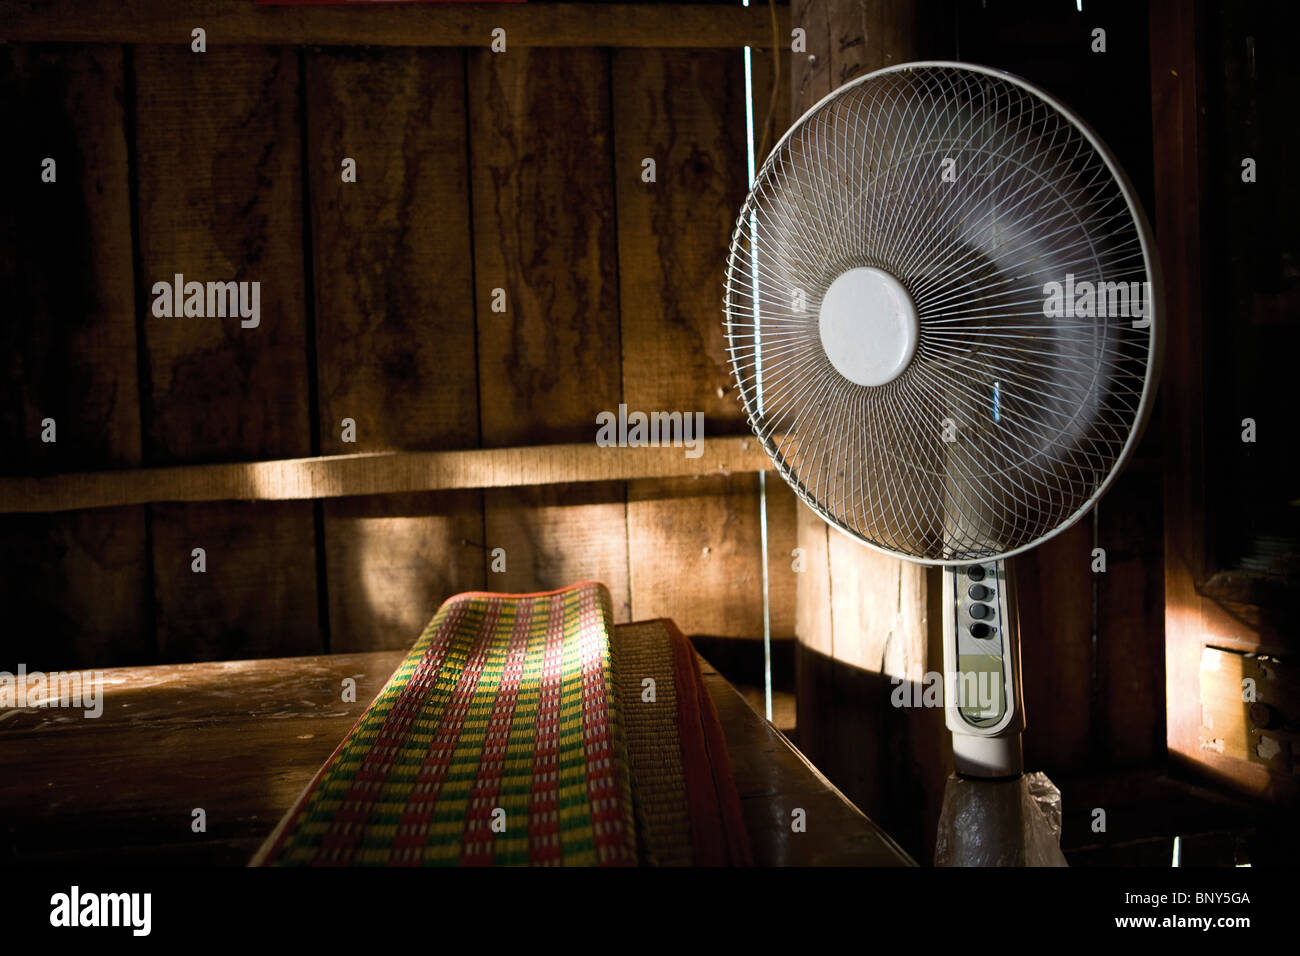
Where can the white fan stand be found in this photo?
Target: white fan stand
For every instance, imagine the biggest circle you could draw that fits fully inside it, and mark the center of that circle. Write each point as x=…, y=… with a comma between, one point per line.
x=887, y=275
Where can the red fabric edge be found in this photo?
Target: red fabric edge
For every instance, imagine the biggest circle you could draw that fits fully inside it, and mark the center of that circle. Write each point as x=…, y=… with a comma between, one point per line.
x=717, y=828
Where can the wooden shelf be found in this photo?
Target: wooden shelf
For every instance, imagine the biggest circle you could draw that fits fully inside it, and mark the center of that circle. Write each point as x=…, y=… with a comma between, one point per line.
x=338, y=476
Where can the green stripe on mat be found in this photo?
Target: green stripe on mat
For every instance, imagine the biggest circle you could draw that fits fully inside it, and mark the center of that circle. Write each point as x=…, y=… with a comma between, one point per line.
x=505, y=705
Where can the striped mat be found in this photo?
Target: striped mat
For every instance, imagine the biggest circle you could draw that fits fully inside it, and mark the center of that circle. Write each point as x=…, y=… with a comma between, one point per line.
x=525, y=729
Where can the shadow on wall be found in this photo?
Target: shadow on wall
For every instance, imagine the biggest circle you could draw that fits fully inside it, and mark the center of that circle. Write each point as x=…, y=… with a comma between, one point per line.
x=895, y=762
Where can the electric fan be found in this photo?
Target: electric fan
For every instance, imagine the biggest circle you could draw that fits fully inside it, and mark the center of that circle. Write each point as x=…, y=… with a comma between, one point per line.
x=943, y=318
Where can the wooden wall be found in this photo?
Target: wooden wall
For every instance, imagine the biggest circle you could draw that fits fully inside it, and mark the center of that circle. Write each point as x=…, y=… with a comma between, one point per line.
x=476, y=171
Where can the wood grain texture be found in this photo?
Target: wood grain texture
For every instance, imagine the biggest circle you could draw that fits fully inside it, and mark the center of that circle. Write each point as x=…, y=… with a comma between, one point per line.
x=544, y=232
x=76, y=589
x=819, y=717
x=559, y=535
x=394, y=307
x=810, y=71
x=69, y=347
x=877, y=602
x=544, y=25
x=694, y=546
x=243, y=738
x=813, y=624
x=392, y=259
x=1130, y=617
x=393, y=559
x=774, y=778
x=1054, y=592
x=1176, y=93
x=892, y=762
x=686, y=111
x=220, y=199
x=75, y=585
x=257, y=596
x=218, y=146
x=782, y=540
x=878, y=609
x=772, y=101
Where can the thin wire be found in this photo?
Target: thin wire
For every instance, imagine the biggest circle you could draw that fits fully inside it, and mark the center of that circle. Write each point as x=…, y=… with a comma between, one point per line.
x=751, y=161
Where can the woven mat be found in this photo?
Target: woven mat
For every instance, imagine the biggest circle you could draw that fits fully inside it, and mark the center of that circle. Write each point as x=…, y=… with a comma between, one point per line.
x=686, y=807
x=525, y=729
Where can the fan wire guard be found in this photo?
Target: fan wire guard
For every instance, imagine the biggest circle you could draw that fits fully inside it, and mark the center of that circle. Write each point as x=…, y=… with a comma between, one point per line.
x=976, y=192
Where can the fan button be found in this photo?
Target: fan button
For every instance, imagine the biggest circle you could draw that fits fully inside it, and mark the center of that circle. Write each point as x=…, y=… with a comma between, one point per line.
x=978, y=592
x=980, y=611
x=975, y=572
x=980, y=630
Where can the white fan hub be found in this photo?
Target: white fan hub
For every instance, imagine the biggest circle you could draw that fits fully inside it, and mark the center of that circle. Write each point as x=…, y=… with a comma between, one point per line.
x=868, y=326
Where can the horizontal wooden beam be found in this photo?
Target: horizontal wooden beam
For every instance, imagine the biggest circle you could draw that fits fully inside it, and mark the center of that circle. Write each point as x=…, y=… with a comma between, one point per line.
x=228, y=22
x=337, y=476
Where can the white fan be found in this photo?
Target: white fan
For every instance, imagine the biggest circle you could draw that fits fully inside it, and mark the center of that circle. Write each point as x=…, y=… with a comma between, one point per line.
x=943, y=317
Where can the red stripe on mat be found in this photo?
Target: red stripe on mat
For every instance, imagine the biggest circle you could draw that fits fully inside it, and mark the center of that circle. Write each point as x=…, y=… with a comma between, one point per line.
x=413, y=828
x=479, y=838
x=544, y=847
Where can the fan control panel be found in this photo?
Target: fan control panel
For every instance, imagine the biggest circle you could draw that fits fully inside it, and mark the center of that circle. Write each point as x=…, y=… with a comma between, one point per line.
x=981, y=611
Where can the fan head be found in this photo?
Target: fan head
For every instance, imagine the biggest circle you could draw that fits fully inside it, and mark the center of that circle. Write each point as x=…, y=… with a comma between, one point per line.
x=943, y=312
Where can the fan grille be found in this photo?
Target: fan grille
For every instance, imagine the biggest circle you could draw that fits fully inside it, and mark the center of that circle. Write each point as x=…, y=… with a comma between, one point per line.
x=975, y=192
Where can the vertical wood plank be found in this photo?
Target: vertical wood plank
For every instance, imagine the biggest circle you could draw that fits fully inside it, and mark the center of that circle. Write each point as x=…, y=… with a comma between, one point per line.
x=810, y=71
x=75, y=586
x=686, y=111
x=694, y=546
x=878, y=609
x=1054, y=585
x=220, y=198
x=813, y=624
x=1130, y=615
x=76, y=589
x=820, y=718
x=69, y=345
x=695, y=554
x=393, y=559
x=257, y=597
x=544, y=232
x=394, y=306
x=871, y=595
x=782, y=539
x=392, y=258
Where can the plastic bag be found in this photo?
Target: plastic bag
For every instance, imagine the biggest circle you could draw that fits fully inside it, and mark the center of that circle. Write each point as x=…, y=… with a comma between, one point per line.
x=1000, y=823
